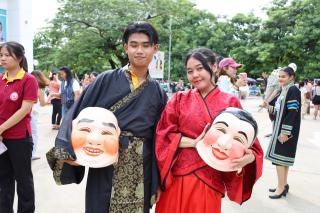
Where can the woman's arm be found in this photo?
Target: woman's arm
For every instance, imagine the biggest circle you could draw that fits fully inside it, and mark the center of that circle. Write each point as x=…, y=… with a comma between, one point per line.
x=41, y=97
x=55, y=95
x=186, y=142
x=293, y=105
x=26, y=108
x=76, y=95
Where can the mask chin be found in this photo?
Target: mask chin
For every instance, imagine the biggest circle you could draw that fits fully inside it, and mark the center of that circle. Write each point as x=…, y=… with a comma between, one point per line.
x=102, y=160
x=207, y=156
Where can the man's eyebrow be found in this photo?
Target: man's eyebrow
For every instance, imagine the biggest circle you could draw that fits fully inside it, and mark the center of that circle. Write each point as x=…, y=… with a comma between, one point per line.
x=109, y=125
x=244, y=134
x=222, y=122
x=86, y=120
x=144, y=42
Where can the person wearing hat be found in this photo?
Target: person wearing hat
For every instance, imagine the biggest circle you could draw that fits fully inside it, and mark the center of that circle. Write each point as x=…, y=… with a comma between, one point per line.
x=227, y=81
x=283, y=145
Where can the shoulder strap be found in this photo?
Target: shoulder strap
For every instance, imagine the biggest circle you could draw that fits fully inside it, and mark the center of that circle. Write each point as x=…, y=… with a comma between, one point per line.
x=128, y=98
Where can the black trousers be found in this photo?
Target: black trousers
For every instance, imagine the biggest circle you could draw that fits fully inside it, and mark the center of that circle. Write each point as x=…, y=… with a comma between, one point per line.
x=15, y=165
x=56, y=111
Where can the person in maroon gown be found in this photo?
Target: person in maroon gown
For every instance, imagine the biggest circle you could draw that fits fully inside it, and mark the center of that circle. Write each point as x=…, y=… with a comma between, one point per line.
x=188, y=184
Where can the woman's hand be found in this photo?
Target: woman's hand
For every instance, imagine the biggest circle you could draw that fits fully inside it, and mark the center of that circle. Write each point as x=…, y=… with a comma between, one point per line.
x=189, y=142
x=283, y=138
x=265, y=104
x=158, y=194
x=238, y=164
x=201, y=136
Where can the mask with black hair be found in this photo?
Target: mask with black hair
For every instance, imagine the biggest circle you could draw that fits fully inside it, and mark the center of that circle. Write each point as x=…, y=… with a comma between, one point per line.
x=232, y=132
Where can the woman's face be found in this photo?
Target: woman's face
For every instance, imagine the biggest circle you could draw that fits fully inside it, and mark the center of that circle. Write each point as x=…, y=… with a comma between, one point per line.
x=284, y=78
x=54, y=77
x=197, y=75
x=231, y=71
x=63, y=75
x=8, y=61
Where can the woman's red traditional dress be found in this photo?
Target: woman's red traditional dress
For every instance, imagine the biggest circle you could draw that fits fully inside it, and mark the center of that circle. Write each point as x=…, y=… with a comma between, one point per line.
x=188, y=184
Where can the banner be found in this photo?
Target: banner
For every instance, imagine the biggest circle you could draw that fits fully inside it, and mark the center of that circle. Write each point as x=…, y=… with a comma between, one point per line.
x=156, y=67
x=3, y=25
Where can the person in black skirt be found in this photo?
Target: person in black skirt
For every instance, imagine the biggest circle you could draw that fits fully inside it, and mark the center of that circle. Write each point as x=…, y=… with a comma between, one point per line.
x=316, y=99
x=282, y=148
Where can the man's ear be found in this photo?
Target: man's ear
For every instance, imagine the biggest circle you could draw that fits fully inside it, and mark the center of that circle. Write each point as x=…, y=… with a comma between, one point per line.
x=125, y=47
x=156, y=47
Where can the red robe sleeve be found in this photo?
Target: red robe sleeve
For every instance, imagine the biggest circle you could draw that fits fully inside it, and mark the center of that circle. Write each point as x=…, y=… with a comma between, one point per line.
x=239, y=186
x=167, y=140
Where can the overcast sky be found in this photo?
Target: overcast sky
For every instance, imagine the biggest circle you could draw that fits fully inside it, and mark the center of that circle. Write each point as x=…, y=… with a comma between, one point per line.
x=217, y=7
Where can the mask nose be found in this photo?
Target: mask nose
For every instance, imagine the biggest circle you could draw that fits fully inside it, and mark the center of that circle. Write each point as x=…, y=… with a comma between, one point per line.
x=94, y=139
x=224, y=142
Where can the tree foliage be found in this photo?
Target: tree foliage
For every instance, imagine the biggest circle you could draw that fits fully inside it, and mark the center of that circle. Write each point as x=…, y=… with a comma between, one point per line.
x=86, y=35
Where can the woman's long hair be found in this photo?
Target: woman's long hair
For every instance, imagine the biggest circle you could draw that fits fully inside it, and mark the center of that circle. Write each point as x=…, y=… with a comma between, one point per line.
x=41, y=78
x=69, y=74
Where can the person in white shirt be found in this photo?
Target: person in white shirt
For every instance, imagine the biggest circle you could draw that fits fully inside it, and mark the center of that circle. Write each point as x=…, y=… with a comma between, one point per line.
x=227, y=81
x=69, y=89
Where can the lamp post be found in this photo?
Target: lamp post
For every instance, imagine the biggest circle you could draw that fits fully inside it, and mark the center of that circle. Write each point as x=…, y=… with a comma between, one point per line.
x=169, y=56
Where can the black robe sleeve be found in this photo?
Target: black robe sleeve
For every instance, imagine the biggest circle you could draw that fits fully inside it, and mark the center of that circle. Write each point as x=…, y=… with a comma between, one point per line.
x=64, y=173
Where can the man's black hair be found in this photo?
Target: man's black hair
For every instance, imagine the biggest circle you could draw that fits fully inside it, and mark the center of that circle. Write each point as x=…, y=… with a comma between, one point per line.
x=141, y=27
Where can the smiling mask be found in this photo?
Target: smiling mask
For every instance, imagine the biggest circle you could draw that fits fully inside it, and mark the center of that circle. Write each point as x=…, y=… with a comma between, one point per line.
x=95, y=137
x=231, y=133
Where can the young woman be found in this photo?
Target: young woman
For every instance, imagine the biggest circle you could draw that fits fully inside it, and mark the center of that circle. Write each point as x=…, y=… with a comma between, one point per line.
x=188, y=184
x=54, y=87
x=69, y=90
x=282, y=149
x=227, y=81
x=316, y=99
x=305, y=99
x=18, y=92
x=42, y=83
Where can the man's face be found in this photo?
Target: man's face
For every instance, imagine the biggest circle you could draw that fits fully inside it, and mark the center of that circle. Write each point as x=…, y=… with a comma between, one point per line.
x=227, y=139
x=139, y=50
x=95, y=137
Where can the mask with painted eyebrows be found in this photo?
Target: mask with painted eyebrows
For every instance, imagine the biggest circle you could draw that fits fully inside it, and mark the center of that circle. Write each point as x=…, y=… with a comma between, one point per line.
x=95, y=137
x=231, y=133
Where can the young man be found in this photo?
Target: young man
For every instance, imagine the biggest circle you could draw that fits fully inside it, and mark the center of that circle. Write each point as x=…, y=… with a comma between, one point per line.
x=137, y=101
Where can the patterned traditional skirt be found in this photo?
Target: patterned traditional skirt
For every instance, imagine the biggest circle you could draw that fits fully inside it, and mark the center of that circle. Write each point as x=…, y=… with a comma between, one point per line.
x=128, y=182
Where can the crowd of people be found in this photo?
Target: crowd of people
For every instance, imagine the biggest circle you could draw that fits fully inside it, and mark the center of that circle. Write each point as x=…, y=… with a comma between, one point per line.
x=158, y=162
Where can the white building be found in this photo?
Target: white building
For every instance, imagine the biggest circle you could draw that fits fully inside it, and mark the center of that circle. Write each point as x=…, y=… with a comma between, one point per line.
x=16, y=21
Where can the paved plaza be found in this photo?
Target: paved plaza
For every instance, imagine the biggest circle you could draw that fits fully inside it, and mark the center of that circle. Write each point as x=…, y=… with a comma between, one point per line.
x=304, y=176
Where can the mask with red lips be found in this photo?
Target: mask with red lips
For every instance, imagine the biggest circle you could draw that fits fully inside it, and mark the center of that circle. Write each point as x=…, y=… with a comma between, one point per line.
x=95, y=137
x=231, y=133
